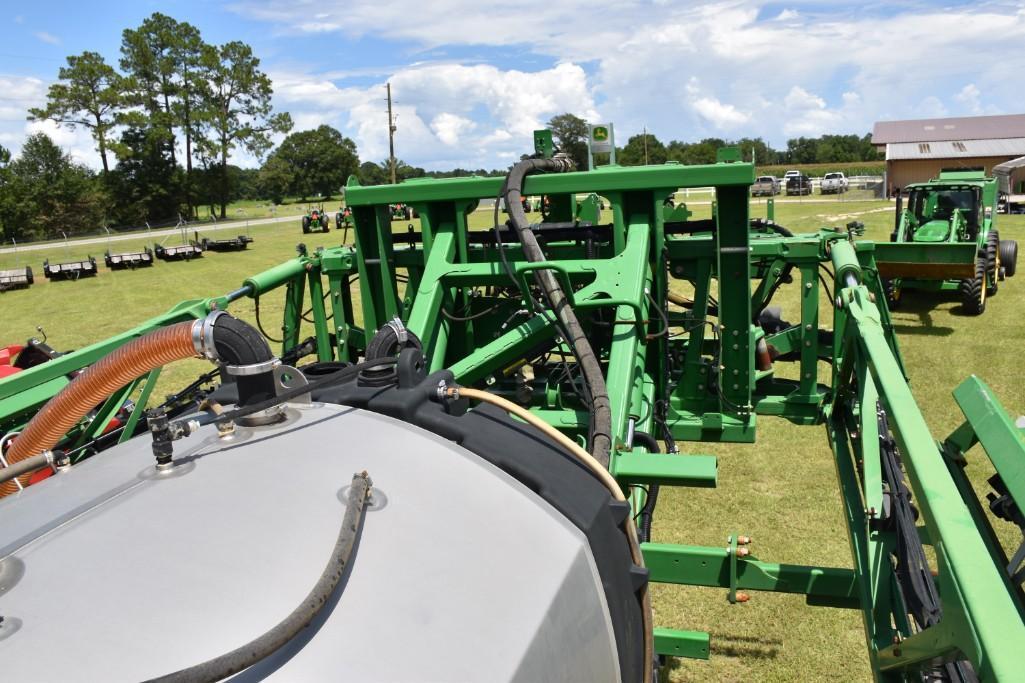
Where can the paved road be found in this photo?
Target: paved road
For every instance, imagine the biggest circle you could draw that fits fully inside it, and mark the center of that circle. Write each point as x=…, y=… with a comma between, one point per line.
x=142, y=234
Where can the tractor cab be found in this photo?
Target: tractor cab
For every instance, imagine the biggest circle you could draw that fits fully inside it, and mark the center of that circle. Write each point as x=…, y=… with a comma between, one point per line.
x=933, y=209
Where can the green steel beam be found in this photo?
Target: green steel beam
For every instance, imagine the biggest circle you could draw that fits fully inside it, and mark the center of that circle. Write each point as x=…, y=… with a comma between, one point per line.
x=664, y=179
x=707, y=566
x=673, y=643
x=640, y=467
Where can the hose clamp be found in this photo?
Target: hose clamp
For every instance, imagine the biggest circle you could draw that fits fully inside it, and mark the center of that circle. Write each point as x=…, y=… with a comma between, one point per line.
x=203, y=336
x=253, y=368
x=400, y=330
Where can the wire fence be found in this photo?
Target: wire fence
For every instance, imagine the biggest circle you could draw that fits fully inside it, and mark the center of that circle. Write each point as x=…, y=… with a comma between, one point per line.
x=160, y=231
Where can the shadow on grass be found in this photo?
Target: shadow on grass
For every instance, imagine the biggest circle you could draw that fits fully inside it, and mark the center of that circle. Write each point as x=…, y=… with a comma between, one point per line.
x=744, y=646
x=927, y=330
x=922, y=305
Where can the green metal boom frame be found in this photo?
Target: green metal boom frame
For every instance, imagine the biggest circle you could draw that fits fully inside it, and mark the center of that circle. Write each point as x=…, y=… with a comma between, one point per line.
x=697, y=372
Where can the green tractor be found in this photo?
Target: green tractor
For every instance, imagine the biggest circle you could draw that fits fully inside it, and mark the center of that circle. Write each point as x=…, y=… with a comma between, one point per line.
x=316, y=220
x=945, y=239
x=343, y=218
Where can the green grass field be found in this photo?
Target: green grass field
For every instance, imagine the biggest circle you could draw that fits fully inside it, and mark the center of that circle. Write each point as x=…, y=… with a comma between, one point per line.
x=782, y=490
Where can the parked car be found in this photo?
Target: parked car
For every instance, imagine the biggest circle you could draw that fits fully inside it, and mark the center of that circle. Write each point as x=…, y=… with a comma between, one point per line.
x=765, y=185
x=834, y=183
x=799, y=184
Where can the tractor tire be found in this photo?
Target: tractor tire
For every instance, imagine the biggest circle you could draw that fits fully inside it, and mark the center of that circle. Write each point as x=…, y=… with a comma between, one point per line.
x=1009, y=256
x=992, y=262
x=973, y=290
x=28, y=275
x=323, y=222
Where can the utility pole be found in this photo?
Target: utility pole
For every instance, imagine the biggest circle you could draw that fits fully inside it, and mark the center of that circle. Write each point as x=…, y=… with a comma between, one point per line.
x=645, y=145
x=391, y=137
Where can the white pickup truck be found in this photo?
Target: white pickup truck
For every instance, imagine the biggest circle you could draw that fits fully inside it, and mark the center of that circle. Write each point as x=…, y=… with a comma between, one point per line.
x=833, y=183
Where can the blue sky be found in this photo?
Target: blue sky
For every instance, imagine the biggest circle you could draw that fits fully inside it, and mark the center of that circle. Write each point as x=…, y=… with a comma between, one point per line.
x=472, y=80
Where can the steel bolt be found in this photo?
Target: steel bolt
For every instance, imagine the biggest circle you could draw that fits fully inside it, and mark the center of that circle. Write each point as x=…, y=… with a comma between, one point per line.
x=808, y=327
x=807, y=285
x=701, y=387
x=743, y=552
x=736, y=386
x=744, y=540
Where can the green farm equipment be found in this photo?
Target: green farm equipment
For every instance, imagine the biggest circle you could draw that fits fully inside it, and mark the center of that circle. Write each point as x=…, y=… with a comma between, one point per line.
x=651, y=326
x=343, y=218
x=402, y=212
x=945, y=239
x=316, y=220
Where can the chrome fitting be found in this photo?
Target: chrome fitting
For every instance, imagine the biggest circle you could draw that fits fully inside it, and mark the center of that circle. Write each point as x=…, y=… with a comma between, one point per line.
x=203, y=336
x=252, y=369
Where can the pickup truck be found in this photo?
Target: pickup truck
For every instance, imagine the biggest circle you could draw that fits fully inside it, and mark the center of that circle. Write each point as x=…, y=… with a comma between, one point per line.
x=765, y=185
x=799, y=185
x=834, y=183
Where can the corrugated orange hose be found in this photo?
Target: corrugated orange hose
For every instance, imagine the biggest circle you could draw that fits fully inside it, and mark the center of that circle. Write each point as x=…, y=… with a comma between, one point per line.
x=96, y=384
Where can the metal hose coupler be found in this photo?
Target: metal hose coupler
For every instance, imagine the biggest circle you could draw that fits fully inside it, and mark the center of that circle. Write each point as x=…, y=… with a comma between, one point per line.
x=203, y=336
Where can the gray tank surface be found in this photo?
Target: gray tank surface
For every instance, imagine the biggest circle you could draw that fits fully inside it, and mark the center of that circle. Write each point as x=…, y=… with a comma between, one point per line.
x=110, y=572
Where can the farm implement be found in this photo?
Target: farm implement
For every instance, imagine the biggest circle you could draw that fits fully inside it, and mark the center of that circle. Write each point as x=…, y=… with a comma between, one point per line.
x=178, y=252
x=501, y=395
x=238, y=243
x=128, y=259
x=69, y=270
x=16, y=278
x=946, y=239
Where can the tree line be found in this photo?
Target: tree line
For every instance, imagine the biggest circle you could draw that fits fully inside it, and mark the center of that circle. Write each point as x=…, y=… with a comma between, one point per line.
x=570, y=132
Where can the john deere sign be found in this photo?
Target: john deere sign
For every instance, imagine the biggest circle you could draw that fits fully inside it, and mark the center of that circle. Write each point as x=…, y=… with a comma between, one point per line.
x=601, y=138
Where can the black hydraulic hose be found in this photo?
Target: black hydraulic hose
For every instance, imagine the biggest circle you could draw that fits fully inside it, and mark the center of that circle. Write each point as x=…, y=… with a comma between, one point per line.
x=648, y=511
x=263, y=646
x=238, y=342
x=594, y=380
x=31, y=464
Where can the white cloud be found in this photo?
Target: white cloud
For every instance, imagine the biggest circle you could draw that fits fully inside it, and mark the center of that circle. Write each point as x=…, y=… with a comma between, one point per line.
x=798, y=98
x=787, y=15
x=450, y=127
x=446, y=114
x=48, y=38
x=969, y=97
x=723, y=116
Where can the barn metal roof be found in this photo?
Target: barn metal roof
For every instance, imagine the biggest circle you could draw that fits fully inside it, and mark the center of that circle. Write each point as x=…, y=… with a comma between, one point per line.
x=954, y=149
x=962, y=128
